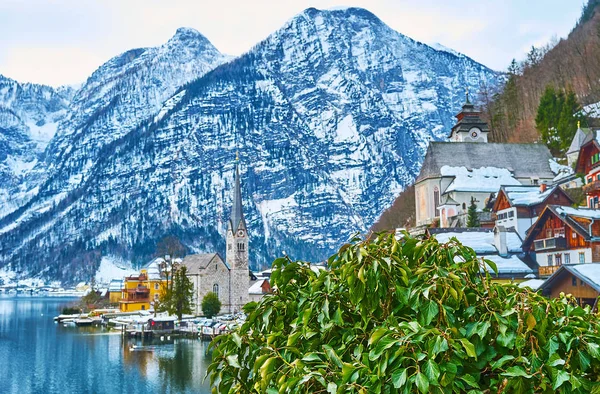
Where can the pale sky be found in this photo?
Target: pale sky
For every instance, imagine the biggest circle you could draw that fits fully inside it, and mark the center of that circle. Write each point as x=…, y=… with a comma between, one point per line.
x=59, y=42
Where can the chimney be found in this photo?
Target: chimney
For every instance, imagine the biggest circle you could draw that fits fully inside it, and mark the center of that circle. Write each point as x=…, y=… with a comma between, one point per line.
x=543, y=187
x=500, y=241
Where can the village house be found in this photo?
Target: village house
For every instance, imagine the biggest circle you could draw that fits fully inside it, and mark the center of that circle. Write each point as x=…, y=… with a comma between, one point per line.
x=518, y=207
x=259, y=289
x=469, y=167
x=141, y=291
x=115, y=290
x=582, y=281
x=229, y=278
x=564, y=235
x=588, y=163
x=501, y=246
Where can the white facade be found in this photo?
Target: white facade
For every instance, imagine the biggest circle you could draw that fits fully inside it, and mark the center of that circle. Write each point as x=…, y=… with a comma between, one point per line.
x=508, y=218
x=555, y=258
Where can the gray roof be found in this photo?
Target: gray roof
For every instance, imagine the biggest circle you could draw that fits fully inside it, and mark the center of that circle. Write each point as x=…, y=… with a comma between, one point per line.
x=588, y=272
x=523, y=160
x=197, y=262
x=237, y=211
x=578, y=140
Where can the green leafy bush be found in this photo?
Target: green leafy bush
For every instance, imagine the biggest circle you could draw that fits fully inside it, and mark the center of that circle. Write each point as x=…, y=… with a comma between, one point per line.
x=406, y=316
x=211, y=305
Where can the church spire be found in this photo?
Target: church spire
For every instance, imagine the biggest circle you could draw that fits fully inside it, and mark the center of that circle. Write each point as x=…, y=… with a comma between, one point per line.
x=237, y=213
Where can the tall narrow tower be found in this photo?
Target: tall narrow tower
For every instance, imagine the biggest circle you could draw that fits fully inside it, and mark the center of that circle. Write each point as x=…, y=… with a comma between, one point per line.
x=237, y=248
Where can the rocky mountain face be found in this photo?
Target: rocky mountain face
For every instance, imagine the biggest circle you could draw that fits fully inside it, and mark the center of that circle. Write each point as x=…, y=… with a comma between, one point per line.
x=331, y=116
x=29, y=118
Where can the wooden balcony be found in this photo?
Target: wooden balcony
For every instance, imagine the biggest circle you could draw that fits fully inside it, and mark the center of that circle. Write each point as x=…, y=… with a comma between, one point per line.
x=592, y=187
x=549, y=243
x=547, y=270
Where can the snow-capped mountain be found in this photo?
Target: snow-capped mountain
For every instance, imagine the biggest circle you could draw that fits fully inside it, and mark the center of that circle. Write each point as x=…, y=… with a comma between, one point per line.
x=331, y=116
x=29, y=117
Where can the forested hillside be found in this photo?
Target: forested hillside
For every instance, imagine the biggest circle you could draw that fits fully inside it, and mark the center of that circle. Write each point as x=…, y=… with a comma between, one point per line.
x=567, y=65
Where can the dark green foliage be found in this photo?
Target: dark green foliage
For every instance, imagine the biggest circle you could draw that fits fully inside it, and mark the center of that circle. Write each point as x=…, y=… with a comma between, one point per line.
x=70, y=310
x=472, y=217
x=405, y=316
x=211, y=306
x=588, y=11
x=177, y=298
x=557, y=118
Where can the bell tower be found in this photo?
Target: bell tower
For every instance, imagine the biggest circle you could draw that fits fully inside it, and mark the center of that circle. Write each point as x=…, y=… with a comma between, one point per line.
x=469, y=126
x=237, y=248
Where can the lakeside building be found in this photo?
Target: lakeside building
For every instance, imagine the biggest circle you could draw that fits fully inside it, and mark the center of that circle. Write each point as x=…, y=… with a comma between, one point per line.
x=142, y=290
x=229, y=278
x=115, y=291
x=469, y=167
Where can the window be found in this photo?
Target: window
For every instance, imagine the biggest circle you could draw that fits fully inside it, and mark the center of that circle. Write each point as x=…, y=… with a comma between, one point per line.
x=143, y=307
x=464, y=205
x=511, y=214
x=589, y=180
x=567, y=258
x=550, y=261
x=436, y=199
x=156, y=286
x=598, y=177
x=156, y=297
x=216, y=289
x=581, y=258
x=559, y=232
x=229, y=246
x=535, y=181
x=574, y=281
x=241, y=247
x=558, y=258
x=549, y=233
x=573, y=234
x=216, y=268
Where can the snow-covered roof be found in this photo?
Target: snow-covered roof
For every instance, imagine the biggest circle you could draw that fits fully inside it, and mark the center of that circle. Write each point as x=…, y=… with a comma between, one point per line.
x=561, y=171
x=256, y=287
x=509, y=265
x=523, y=160
x=484, y=179
x=526, y=195
x=533, y=284
x=115, y=285
x=481, y=240
x=578, y=212
x=590, y=272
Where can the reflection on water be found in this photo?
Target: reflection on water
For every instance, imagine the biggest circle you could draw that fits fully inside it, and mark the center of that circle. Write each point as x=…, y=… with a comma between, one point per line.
x=40, y=356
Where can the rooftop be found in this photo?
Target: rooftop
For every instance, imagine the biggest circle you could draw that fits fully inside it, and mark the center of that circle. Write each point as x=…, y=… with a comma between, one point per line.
x=522, y=160
x=527, y=195
x=484, y=179
x=481, y=240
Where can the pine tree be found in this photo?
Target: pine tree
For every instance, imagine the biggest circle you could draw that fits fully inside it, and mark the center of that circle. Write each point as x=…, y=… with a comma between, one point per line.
x=177, y=299
x=557, y=117
x=472, y=217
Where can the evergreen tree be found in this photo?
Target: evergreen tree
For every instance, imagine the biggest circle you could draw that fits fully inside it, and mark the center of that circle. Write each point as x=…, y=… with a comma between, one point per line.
x=177, y=299
x=557, y=117
x=472, y=218
x=211, y=305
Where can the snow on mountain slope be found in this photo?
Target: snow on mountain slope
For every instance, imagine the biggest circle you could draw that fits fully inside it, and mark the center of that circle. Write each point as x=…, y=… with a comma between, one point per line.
x=331, y=115
x=29, y=117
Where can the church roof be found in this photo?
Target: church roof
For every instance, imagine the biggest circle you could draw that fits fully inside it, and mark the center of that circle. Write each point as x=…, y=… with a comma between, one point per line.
x=197, y=262
x=522, y=160
x=237, y=211
x=578, y=140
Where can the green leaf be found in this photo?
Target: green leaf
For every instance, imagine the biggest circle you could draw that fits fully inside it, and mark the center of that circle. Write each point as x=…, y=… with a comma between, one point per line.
x=516, y=371
x=441, y=345
x=555, y=360
x=469, y=348
x=594, y=350
x=559, y=379
x=422, y=383
x=530, y=320
x=233, y=361
x=377, y=334
x=432, y=371
x=332, y=356
x=429, y=311
x=553, y=346
x=311, y=357
x=501, y=361
x=399, y=378
x=331, y=388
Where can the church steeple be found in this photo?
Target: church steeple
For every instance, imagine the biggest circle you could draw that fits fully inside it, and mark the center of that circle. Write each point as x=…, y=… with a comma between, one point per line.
x=236, y=220
x=469, y=126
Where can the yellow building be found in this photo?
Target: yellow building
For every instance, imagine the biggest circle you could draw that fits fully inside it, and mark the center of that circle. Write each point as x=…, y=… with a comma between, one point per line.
x=140, y=291
x=115, y=291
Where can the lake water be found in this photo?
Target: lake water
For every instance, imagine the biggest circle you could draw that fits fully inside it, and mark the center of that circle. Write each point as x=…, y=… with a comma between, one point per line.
x=40, y=356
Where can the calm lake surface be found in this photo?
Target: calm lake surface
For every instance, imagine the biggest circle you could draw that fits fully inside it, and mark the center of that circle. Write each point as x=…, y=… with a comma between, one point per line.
x=40, y=356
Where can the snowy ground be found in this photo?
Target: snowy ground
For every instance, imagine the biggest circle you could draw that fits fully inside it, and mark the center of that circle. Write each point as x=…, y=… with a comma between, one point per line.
x=113, y=268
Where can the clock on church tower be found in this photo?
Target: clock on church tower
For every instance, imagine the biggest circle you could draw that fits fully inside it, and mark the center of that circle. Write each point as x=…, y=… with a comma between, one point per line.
x=469, y=126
